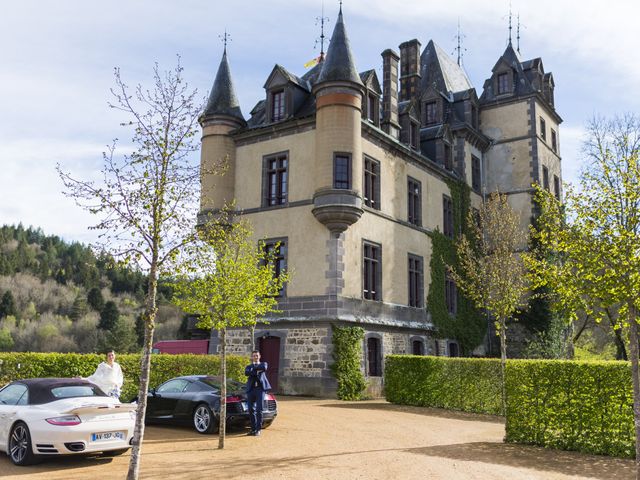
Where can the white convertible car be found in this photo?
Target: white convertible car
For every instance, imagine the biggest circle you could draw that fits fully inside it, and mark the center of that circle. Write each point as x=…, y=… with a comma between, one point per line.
x=61, y=416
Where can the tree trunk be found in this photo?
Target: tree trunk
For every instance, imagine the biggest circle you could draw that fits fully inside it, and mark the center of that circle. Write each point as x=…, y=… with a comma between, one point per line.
x=503, y=363
x=223, y=387
x=633, y=350
x=149, y=317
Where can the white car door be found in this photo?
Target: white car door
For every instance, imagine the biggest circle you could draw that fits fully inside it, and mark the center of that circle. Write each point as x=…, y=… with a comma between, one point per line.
x=12, y=397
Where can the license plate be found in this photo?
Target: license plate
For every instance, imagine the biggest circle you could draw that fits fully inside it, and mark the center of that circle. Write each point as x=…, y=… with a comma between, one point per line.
x=244, y=406
x=104, y=436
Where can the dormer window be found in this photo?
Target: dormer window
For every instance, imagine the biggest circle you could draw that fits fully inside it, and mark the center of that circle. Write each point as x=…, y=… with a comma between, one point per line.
x=373, y=108
x=277, y=105
x=503, y=83
x=431, y=113
x=414, y=135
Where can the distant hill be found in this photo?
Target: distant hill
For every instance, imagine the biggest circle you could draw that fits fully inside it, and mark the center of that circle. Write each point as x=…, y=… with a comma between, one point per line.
x=60, y=296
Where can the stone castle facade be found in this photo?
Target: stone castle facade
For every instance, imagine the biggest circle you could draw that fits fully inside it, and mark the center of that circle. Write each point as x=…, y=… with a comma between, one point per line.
x=351, y=176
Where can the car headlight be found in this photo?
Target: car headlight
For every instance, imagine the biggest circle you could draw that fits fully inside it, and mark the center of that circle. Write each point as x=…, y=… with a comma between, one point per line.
x=65, y=421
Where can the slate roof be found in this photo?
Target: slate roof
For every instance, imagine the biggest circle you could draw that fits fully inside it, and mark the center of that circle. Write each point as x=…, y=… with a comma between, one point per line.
x=339, y=64
x=222, y=99
x=439, y=69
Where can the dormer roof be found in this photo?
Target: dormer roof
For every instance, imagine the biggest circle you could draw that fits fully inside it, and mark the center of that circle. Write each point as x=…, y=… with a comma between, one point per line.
x=439, y=70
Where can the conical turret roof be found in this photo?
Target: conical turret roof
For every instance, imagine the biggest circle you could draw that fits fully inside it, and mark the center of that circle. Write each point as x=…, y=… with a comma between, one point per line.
x=222, y=99
x=339, y=64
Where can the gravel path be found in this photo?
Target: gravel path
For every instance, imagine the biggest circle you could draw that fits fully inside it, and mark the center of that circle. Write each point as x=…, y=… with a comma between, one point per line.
x=327, y=439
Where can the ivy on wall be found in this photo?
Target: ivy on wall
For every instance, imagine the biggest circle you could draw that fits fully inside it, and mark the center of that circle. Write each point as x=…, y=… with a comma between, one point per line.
x=468, y=326
x=347, y=353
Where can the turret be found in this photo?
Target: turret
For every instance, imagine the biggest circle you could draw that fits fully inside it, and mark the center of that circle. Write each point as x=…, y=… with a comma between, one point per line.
x=221, y=116
x=338, y=167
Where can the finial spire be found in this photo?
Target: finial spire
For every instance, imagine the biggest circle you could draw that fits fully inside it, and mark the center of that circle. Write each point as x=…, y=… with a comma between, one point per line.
x=459, y=48
x=321, y=19
x=509, y=23
x=225, y=38
x=518, y=34
x=340, y=12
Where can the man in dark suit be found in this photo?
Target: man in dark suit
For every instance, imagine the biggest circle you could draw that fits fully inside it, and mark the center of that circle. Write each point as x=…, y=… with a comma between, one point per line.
x=257, y=386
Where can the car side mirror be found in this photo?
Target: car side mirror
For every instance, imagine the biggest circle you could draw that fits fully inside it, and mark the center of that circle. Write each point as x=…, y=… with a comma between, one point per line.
x=152, y=391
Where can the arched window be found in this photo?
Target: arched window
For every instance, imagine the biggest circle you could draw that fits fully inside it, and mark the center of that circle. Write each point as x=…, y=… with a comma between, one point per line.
x=417, y=347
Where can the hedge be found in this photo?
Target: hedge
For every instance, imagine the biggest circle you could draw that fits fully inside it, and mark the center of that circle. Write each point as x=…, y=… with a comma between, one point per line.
x=14, y=366
x=467, y=384
x=571, y=405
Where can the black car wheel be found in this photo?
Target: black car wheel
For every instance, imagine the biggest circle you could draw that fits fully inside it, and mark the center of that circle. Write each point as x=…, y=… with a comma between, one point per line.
x=203, y=419
x=20, y=449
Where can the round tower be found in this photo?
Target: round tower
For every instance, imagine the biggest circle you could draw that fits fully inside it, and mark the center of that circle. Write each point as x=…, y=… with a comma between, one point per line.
x=338, y=167
x=221, y=116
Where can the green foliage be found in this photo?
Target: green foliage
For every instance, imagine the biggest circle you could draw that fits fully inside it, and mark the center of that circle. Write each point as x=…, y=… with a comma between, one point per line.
x=227, y=279
x=8, y=305
x=570, y=405
x=551, y=343
x=468, y=326
x=467, y=384
x=109, y=316
x=347, y=352
x=15, y=366
x=6, y=340
x=122, y=337
x=79, y=308
x=95, y=299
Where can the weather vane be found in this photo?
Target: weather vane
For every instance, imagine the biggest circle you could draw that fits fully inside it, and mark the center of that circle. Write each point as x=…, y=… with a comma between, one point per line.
x=518, y=33
x=225, y=39
x=321, y=20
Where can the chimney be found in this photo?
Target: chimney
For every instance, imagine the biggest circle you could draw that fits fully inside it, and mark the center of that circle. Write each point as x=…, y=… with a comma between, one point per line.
x=390, y=93
x=409, y=69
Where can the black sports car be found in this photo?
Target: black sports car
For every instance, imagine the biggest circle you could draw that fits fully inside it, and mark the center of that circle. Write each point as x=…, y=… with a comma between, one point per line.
x=195, y=400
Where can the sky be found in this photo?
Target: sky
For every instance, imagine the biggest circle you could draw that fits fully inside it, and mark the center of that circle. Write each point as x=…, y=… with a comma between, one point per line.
x=58, y=60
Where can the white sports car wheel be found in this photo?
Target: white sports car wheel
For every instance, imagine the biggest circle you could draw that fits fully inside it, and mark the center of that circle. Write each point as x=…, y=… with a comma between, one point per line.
x=20, y=449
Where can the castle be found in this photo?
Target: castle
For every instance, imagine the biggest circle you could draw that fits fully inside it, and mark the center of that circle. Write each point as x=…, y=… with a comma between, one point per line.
x=350, y=179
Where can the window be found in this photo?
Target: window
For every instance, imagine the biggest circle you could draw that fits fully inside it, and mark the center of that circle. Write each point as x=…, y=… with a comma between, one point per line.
x=277, y=106
x=342, y=171
x=545, y=178
x=447, y=214
x=475, y=173
x=417, y=347
x=277, y=250
x=503, y=83
x=373, y=357
x=414, y=134
x=13, y=394
x=556, y=186
x=430, y=113
x=371, y=271
x=414, y=201
x=173, y=386
x=543, y=129
x=554, y=140
x=372, y=102
x=416, y=291
x=454, y=351
x=450, y=295
x=371, y=183
x=448, y=159
x=275, y=179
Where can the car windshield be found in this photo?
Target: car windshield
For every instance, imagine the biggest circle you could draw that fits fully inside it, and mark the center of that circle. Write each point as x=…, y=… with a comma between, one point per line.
x=232, y=385
x=71, y=391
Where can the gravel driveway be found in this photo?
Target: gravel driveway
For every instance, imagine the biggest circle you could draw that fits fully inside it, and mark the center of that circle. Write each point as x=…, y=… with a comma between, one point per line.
x=327, y=439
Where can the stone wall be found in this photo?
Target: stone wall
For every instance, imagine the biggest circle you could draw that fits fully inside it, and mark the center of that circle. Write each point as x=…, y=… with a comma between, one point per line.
x=306, y=352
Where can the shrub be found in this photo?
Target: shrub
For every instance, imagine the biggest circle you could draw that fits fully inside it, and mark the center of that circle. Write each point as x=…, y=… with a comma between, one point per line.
x=347, y=351
x=584, y=406
x=467, y=384
x=14, y=366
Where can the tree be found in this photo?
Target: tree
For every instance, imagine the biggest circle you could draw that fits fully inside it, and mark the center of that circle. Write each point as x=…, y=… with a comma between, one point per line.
x=79, y=308
x=8, y=305
x=145, y=200
x=229, y=281
x=598, y=237
x=109, y=316
x=95, y=299
x=491, y=271
x=121, y=337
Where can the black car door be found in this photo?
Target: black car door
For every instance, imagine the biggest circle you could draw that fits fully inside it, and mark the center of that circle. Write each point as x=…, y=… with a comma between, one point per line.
x=161, y=405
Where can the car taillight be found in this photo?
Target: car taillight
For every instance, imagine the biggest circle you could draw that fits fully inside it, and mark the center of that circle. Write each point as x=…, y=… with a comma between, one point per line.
x=65, y=421
x=233, y=399
x=268, y=396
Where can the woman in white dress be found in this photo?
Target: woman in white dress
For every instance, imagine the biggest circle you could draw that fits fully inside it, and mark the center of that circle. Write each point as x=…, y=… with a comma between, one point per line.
x=108, y=376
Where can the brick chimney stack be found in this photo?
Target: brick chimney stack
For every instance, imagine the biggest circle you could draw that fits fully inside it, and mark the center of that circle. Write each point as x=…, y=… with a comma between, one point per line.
x=390, y=93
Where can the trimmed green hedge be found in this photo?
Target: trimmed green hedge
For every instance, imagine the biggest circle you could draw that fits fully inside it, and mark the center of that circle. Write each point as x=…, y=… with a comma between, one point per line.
x=571, y=405
x=29, y=365
x=467, y=384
